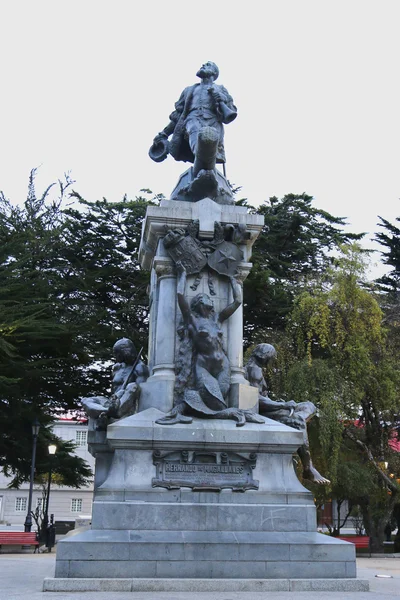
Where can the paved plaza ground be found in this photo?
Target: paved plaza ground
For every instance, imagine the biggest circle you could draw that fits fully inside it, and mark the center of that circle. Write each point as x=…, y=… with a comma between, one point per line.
x=21, y=577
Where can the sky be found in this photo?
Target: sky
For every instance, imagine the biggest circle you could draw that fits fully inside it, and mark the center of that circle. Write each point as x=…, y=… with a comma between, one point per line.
x=86, y=85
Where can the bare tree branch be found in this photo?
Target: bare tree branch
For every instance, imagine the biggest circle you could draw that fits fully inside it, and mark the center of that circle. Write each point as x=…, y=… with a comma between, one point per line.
x=391, y=485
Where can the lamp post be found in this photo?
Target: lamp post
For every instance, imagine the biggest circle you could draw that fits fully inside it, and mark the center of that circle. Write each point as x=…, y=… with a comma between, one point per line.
x=35, y=433
x=45, y=523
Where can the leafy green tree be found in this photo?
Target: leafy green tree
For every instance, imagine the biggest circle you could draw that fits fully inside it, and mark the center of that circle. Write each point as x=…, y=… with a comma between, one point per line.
x=296, y=246
x=70, y=285
x=36, y=344
x=104, y=288
x=67, y=469
x=352, y=484
x=345, y=363
x=396, y=517
x=389, y=237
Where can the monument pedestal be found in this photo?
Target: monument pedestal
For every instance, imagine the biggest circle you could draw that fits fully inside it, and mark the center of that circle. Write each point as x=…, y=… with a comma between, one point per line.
x=201, y=506
x=165, y=316
x=167, y=509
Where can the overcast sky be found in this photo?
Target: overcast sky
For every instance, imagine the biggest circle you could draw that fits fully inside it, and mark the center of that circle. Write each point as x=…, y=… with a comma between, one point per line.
x=87, y=84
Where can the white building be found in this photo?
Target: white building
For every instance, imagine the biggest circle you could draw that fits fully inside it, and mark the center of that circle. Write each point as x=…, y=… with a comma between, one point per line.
x=65, y=503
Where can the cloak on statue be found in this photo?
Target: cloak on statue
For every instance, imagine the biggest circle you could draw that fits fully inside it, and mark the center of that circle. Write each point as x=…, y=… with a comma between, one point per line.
x=179, y=145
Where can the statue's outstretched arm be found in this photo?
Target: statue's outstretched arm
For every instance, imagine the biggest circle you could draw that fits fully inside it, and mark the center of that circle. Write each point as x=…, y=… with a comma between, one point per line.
x=266, y=404
x=173, y=117
x=237, y=301
x=168, y=129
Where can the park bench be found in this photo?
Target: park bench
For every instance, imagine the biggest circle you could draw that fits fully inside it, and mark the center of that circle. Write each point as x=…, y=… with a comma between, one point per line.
x=18, y=538
x=360, y=541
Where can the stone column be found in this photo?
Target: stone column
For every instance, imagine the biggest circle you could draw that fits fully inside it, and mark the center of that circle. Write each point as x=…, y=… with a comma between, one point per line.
x=235, y=343
x=158, y=391
x=164, y=351
x=241, y=395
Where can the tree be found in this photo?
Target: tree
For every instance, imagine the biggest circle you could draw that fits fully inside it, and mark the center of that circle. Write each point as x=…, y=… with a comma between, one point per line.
x=36, y=345
x=70, y=285
x=352, y=483
x=390, y=240
x=347, y=365
x=104, y=286
x=67, y=469
x=296, y=245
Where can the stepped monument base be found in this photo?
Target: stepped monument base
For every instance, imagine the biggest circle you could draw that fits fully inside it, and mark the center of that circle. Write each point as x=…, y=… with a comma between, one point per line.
x=163, y=512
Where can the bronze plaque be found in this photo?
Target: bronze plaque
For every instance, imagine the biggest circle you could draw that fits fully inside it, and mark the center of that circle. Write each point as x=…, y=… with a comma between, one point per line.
x=211, y=471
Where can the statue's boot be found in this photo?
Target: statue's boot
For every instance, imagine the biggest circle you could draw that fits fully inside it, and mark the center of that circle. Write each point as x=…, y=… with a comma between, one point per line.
x=204, y=186
x=205, y=183
x=309, y=471
x=206, y=150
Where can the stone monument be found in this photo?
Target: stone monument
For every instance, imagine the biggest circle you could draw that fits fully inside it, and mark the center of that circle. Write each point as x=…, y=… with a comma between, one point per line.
x=195, y=490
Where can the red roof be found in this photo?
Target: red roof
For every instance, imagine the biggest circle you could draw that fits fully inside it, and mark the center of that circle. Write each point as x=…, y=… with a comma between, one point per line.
x=395, y=444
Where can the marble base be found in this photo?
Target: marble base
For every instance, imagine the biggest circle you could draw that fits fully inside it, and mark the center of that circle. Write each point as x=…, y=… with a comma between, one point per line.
x=204, y=585
x=141, y=531
x=204, y=554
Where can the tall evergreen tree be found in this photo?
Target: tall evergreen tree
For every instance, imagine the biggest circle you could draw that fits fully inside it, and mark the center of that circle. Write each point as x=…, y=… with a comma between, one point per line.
x=70, y=285
x=104, y=287
x=344, y=361
x=295, y=247
x=389, y=237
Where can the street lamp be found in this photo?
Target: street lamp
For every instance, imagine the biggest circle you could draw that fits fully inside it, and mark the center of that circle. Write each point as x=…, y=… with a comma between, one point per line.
x=52, y=451
x=35, y=433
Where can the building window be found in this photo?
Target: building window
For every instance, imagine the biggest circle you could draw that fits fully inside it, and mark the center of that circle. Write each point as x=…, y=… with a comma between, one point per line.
x=39, y=503
x=20, y=504
x=81, y=438
x=76, y=505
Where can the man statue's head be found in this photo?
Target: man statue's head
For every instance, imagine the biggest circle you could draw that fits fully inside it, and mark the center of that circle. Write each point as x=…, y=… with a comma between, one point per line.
x=209, y=69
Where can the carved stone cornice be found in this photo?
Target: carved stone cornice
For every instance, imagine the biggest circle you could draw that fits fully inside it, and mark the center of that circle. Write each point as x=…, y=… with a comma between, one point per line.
x=176, y=214
x=164, y=267
x=242, y=271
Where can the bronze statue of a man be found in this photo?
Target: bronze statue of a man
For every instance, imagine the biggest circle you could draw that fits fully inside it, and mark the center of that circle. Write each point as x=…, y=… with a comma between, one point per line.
x=293, y=414
x=197, y=130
